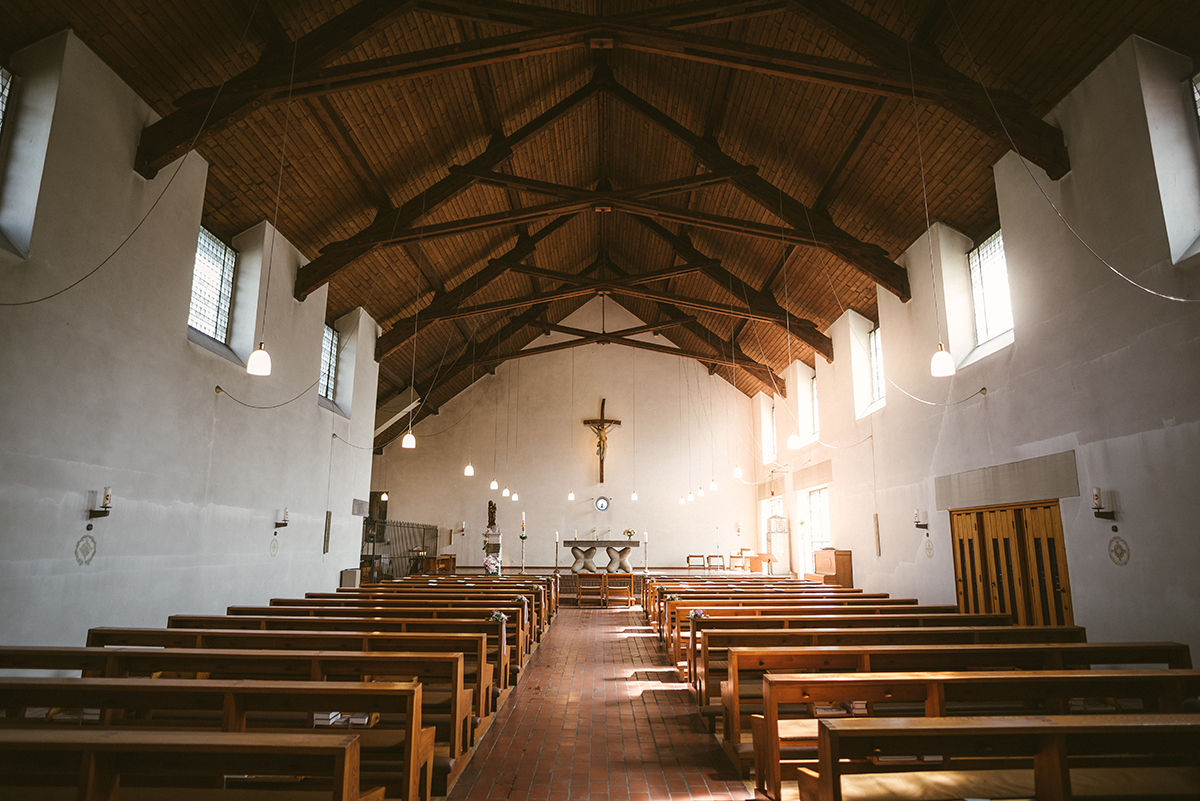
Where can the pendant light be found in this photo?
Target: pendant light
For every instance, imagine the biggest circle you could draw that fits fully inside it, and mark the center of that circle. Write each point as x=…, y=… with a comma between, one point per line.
x=691, y=497
x=516, y=497
x=737, y=471
x=408, y=441
x=469, y=470
x=700, y=492
x=570, y=420
x=570, y=496
x=633, y=496
x=942, y=363
x=681, y=501
x=712, y=485
x=494, y=485
x=793, y=442
x=506, y=493
x=383, y=497
x=259, y=362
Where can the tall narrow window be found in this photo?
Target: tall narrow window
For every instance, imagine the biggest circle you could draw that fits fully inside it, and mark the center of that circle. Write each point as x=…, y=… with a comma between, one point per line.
x=818, y=518
x=768, y=434
x=989, y=289
x=212, y=286
x=816, y=417
x=5, y=90
x=1196, y=93
x=329, y=357
x=877, y=386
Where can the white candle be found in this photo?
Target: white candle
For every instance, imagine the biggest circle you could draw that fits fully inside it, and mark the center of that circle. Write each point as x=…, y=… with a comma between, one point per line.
x=646, y=536
x=556, y=537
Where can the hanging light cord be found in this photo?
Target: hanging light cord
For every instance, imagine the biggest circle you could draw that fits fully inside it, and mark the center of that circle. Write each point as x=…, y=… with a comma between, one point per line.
x=924, y=194
x=222, y=391
x=157, y=200
x=287, y=118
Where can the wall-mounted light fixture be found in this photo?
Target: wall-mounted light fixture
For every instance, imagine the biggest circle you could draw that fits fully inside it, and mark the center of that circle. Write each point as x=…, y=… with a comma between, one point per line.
x=105, y=505
x=1098, y=506
x=917, y=520
x=283, y=519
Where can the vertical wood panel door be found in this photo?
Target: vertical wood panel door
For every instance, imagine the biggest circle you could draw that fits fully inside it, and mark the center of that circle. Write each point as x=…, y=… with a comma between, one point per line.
x=968, y=568
x=1012, y=560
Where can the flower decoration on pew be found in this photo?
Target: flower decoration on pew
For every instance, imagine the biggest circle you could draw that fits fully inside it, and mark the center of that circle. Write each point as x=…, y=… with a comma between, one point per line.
x=498, y=616
x=520, y=599
x=697, y=614
x=672, y=597
x=491, y=565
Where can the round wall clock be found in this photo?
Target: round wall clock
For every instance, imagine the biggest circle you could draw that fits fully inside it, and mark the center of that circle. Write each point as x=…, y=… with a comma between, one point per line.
x=601, y=504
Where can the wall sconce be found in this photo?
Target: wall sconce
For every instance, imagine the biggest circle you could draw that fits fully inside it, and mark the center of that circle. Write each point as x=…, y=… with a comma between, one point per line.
x=283, y=520
x=105, y=505
x=917, y=520
x=1098, y=507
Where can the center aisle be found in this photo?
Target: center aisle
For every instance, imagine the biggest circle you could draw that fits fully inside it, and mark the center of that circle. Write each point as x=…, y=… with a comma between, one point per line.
x=599, y=714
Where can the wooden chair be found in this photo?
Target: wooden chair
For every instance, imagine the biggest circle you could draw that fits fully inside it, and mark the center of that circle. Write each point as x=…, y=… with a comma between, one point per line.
x=589, y=586
x=716, y=560
x=618, y=585
x=695, y=560
x=737, y=561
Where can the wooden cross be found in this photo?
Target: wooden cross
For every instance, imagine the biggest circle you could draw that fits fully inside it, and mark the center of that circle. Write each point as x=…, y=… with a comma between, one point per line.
x=601, y=425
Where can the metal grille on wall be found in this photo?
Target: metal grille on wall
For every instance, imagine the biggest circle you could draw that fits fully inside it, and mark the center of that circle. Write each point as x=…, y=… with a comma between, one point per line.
x=393, y=548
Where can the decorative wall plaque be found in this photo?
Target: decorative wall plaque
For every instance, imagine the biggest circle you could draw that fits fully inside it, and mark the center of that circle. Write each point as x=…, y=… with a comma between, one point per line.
x=85, y=549
x=1118, y=551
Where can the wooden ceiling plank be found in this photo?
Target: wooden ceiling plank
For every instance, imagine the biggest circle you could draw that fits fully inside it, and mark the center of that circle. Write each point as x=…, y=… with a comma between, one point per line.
x=499, y=12
x=1036, y=139
x=321, y=269
x=851, y=153
x=175, y=134
x=704, y=12
x=343, y=141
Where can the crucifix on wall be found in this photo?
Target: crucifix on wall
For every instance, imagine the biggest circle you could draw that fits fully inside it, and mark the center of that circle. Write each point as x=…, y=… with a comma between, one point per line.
x=600, y=426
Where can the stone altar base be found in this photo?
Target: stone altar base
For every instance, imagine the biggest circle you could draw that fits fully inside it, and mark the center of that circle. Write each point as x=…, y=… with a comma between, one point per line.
x=584, y=552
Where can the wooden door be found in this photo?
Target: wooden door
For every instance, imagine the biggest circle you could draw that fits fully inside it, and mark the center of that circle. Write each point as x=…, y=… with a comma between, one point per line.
x=1011, y=560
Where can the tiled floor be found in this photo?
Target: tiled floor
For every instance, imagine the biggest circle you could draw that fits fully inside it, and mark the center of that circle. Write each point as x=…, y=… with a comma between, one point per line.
x=598, y=715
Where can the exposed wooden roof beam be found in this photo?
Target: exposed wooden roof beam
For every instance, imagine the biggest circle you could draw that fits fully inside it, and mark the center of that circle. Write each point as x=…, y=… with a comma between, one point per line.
x=868, y=258
x=648, y=192
x=347, y=251
x=403, y=331
x=704, y=12
x=629, y=279
x=623, y=332
x=173, y=135
x=851, y=153
x=1036, y=139
x=343, y=142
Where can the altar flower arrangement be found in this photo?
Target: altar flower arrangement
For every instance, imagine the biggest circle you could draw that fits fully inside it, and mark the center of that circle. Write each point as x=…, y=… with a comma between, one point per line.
x=498, y=616
x=629, y=533
x=697, y=614
x=491, y=565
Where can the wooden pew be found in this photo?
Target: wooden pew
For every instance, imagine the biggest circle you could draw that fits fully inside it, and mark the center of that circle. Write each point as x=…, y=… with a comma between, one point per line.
x=838, y=617
x=741, y=691
x=776, y=596
x=535, y=612
x=498, y=650
x=234, y=701
x=658, y=597
x=1052, y=743
x=447, y=707
x=479, y=673
x=548, y=582
x=100, y=761
x=1161, y=690
x=518, y=628
x=541, y=592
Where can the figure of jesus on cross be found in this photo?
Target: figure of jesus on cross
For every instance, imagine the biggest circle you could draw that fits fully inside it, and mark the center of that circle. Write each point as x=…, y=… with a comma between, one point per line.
x=601, y=426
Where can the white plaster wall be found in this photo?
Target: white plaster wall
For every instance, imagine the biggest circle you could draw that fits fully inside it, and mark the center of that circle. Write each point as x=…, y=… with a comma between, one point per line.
x=1096, y=366
x=103, y=388
x=550, y=453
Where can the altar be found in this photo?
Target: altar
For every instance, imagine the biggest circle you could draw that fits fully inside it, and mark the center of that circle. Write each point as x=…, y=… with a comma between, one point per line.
x=584, y=552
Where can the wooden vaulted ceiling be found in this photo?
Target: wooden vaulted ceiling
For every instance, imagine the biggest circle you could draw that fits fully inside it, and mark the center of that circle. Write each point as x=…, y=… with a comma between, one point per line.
x=734, y=173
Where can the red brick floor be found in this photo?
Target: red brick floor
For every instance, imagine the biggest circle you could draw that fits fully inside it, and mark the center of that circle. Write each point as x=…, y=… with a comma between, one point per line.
x=598, y=715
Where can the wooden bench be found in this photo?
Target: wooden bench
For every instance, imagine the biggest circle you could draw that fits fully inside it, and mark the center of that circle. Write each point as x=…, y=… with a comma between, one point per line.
x=836, y=617
x=534, y=599
x=100, y=761
x=499, y=653
x=659, y=599
x=1016, y=691
x=777, y=596
x=1053, y=743
x=712, y=665
x=406, y=750
x=479, y=673
x=446, y=703
x=548, y=584
x=518, y=629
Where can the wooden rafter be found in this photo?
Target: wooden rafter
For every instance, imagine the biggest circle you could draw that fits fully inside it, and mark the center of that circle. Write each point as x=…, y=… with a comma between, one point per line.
x=340, y=254
x=173, y=135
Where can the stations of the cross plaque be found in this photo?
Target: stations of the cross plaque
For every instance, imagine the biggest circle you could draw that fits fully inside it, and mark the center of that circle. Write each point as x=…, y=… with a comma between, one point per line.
x=600, y=427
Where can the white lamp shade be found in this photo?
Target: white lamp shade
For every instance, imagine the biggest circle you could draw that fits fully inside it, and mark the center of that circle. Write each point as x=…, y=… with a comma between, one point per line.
x=506, y=493
x=793, y=442
x=712, y=485
x=383, y=497
x=494, y=485
x=737, y=471
x=409, y=441
x=942, y=363
x=259, y=362
x=516, y=497
x=633, y=496
x=681, y=501
x=700, y=492
x=571, y=496
x=468, y=470
x=691, y=497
